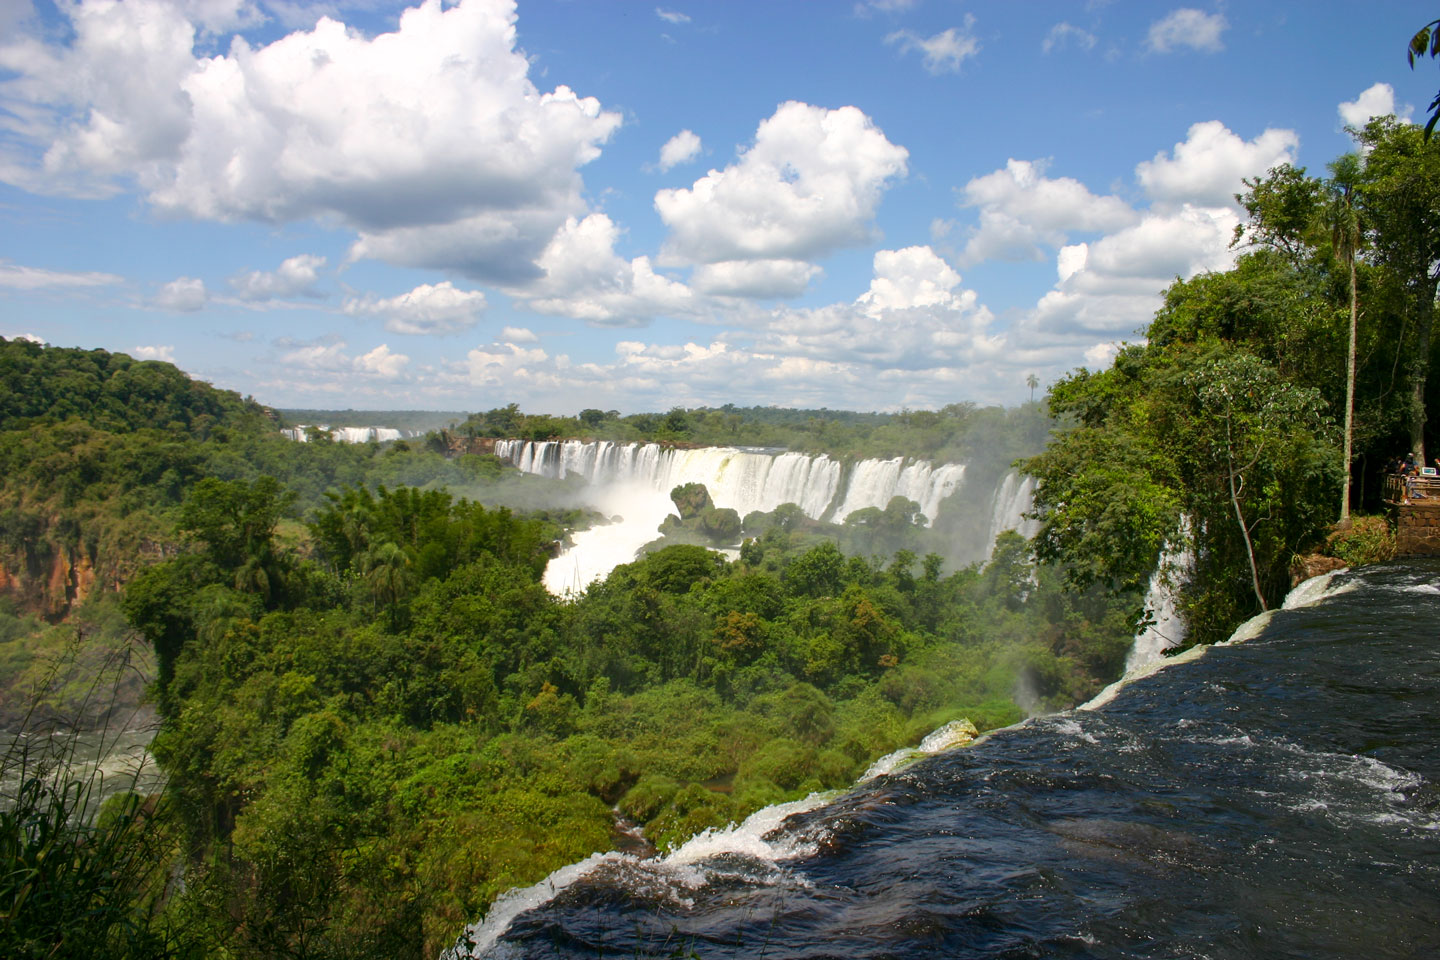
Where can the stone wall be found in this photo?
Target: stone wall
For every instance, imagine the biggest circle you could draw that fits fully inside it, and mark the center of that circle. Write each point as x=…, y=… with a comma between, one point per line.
x=1417, y=528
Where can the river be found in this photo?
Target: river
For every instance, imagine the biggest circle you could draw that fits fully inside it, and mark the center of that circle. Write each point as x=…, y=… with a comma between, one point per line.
x=1277, y=797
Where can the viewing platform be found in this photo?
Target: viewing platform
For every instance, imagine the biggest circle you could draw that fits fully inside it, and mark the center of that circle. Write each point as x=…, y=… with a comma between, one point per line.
x=1416, y=519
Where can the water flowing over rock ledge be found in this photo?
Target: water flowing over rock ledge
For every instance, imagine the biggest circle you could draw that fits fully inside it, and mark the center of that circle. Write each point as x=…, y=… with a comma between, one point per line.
x=1071, y=832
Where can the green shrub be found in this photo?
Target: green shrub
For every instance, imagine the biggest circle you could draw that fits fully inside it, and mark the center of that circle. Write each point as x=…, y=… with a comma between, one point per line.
x=1368, y=540
x=643, y=801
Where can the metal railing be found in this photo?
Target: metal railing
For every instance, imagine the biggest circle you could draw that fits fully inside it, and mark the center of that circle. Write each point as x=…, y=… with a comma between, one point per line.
x=1399, y=489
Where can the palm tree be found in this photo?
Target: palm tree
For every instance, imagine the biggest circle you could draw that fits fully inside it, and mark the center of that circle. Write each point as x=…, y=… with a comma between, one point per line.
x=257, y=575
x=1344, y=222
x=387, y=574
x=1032, y=382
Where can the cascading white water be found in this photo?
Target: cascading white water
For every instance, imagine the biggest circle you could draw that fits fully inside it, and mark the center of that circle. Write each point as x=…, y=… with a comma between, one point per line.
x=743, y=480
x=632, y=481
x=869, y=481
x=1013, y=500
x=302, y=434
x=1166, y=630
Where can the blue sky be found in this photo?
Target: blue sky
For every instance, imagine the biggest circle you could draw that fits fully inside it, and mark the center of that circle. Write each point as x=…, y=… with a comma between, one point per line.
x=873, y=205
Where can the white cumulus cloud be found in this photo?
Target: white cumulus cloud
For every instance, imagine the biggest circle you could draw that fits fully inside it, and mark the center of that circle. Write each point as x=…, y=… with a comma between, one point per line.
x=913, y=277
x=1208, y=167
x=1113, y=286
x=428, y=309
x=182, y=295
x=1187, y=27
x=434, y=126
x=809, y=184
x=1377, y=100
x=295, y=277
x=517, y=335
x=328, y=362
x=681, y=148
x=157, y=352
x=583, y=277
x=757, y=279
x=381, y=362
x=915, y=337
x=1022, y=210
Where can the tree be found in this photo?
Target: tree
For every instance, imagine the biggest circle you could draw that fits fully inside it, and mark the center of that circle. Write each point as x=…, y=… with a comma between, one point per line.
x=387, y=574
x=1196, y=423
x=1283, y=208
x=234, y=519
x=1399, y=201
x=1345, y=237
x=1032, y=382
x=1249, y=420
x=1427, y=40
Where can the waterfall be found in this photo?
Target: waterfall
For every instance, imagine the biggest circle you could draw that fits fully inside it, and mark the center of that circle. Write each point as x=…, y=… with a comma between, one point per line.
x=303, y=433
x=743, y=480
x=869, y=481
x=1015, y=497
x=1166, y=630
x=632, y=482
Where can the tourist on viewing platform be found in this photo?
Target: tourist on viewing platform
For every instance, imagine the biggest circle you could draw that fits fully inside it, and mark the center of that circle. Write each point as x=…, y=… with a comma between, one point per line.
x=1410, y=472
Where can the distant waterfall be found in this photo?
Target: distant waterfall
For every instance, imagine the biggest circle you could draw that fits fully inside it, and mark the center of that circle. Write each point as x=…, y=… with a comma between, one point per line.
x=743, y=480
x=632, y=483
x=1176, y=564
x=303, y=433
x=1014, y=498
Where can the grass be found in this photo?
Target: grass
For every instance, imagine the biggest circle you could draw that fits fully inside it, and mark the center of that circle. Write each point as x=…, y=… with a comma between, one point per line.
x=83, y=855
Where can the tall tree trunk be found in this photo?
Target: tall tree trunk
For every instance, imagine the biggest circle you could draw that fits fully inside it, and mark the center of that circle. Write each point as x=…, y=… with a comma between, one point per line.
x=1240, y=517
x=1420, y=367
x=1350, y=393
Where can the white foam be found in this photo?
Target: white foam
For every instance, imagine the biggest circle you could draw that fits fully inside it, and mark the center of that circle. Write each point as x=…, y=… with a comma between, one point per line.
x=512, y=903
x=1143, y=670
x=682, y=869
x=752, y=838
x=953, y=734
x=1071, y=728
x=1248, y=630
x=1307, y=593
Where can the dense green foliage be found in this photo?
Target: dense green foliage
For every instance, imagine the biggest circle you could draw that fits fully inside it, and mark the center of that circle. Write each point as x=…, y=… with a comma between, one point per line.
x=110, y=391
x=97, y=452
x=1231, y=414
x=377, y=720
x=368, y=746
